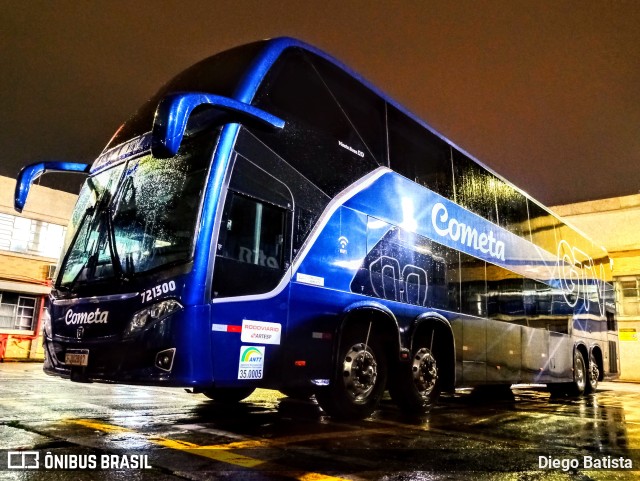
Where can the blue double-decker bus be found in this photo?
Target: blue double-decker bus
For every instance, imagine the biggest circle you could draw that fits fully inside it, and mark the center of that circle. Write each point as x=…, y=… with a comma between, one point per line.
x=270, y=219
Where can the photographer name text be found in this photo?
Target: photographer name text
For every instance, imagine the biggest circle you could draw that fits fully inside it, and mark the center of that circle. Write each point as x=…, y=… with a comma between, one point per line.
x=585, y=462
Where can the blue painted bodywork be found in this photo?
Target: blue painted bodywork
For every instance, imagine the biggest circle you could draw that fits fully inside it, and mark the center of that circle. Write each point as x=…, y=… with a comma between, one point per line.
x=315, y=293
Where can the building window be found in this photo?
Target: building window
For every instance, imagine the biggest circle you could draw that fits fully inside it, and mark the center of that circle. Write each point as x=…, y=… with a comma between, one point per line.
x=629, y=295
x=29, y=236
x=17, y=311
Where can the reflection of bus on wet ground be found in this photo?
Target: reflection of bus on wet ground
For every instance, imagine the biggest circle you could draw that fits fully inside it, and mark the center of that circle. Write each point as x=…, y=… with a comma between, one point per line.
x=269, y=219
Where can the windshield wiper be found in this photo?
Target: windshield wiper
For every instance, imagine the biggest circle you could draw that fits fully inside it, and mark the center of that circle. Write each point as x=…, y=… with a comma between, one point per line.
x=113, y=251
x=63, y=265
x=105, y=227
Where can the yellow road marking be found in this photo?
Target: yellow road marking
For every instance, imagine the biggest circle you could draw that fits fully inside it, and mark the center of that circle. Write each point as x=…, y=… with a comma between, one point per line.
x=220, y=452
x=105, y=428
x=282, y=441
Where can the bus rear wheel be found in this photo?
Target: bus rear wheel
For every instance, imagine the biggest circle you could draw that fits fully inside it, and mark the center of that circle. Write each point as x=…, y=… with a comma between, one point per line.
x=417, y=386
x=580, y=379
x=593, y=375
x=228, y=395
x=580, y=375
x=360, y=375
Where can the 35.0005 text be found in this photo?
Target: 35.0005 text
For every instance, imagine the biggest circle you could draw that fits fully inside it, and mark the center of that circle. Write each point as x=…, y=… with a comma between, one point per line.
x=250, y=374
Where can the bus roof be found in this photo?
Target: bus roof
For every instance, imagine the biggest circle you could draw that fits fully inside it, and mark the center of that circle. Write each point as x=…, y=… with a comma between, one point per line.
x=247, y=66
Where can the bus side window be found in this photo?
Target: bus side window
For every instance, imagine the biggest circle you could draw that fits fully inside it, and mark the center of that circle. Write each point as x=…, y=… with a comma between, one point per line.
x=543, y=226
x=511, y=297
x=405, y=267
x=512, y=209
x=475, y=187
x=328, y=137
x=254, y=243
x=473, y=286
x=254, y=233
x=419, y=155
x=252, y=252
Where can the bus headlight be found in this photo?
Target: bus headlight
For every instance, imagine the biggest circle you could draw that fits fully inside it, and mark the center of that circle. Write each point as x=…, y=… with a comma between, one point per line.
x=46, y=323
x=150, y=314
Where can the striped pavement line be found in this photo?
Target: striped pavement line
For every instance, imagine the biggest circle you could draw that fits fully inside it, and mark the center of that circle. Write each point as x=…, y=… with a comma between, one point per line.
x=224, y=453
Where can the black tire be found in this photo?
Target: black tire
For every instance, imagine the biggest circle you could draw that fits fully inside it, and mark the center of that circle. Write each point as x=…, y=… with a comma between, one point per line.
x=230, y=395
x=360, y=375
x=579, y=384
x=417, y=384
x=593, y=375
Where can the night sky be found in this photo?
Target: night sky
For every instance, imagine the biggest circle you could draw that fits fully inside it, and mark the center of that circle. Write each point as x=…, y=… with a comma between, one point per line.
x=546, y=92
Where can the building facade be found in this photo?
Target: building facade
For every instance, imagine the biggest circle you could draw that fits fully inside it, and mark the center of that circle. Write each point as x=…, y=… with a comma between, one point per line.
x=30, y=245
x=615, y=224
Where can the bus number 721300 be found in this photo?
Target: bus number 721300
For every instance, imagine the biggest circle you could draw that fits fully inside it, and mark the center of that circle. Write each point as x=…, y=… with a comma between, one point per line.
x=157, y=291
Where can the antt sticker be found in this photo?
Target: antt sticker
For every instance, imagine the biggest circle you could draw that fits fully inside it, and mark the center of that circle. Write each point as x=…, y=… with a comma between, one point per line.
x=251, y=364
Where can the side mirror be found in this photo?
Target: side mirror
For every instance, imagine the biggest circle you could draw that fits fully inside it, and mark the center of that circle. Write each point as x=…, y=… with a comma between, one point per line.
x=173, y=113
x=31, y=172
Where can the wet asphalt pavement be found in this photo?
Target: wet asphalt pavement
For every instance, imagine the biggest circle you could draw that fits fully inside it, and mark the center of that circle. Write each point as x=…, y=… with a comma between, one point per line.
x=55, y=429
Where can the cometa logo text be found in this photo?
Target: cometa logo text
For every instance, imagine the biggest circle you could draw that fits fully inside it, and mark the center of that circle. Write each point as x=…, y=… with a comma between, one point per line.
x=464, y=234
x=95, y=317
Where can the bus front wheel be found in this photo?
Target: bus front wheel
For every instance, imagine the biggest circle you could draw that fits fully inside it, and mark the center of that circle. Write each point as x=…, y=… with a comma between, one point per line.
x=359, y=378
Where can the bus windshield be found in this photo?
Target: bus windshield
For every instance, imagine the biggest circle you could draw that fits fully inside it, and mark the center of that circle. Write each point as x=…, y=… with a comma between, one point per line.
x=137, y=216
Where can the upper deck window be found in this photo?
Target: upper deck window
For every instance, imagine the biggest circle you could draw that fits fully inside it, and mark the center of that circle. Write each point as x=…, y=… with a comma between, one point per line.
x=335, y=127
x=419, y=154
x=475, y=187
x=512, y=209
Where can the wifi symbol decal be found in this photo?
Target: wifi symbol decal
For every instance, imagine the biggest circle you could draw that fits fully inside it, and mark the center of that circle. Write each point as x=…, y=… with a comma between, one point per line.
x=343, y=242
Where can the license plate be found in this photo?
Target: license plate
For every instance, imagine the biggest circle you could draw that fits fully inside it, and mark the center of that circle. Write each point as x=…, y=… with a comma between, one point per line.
x=77, y=358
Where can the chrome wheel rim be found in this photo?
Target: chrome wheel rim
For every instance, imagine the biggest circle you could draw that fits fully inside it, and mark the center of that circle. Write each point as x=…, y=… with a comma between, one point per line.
x=359, y=373
x=425, y=372
x=595, y=374
x=580, y=374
